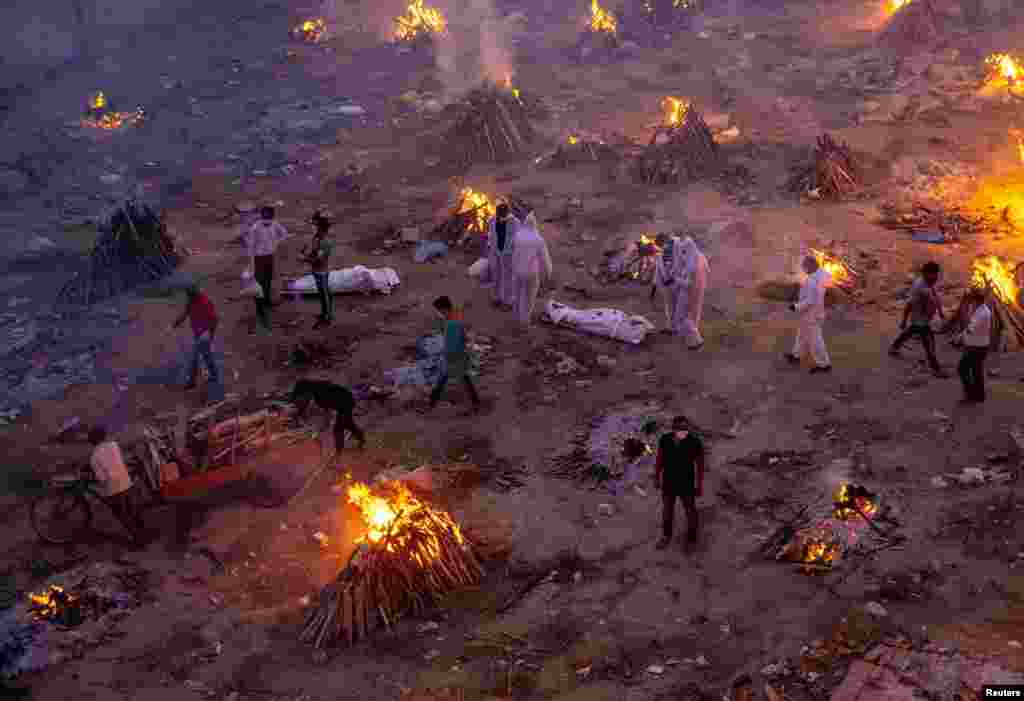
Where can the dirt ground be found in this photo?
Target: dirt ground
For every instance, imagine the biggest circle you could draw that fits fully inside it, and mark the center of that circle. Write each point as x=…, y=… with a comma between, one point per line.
x=617, y=619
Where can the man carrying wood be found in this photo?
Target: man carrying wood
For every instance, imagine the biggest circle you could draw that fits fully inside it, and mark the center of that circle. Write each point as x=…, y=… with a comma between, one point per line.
x=921, y=308
x=976, y=339
x=501, y=233
x=262, y=241
x=203, y=316
x=318, y=256
x=530, y=264
x=113, y=481
x=811, y=308
x=679, y=474
x=332, y=397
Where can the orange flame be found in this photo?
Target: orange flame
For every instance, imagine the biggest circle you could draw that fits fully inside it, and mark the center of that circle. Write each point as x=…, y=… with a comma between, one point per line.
x=601, y=20
x=573, y=140
x=835, y=267
x=510, y=87
x=675, y=110
x=895, y=6
x=312, y=30
x=1004, y=70
x=98, y=101
x=418, y=20
x=395, y=516
x=993, y=273
x=845, y=513
x=46, y=605
x=1018, y=136
x=99, y=118
x=480, y=205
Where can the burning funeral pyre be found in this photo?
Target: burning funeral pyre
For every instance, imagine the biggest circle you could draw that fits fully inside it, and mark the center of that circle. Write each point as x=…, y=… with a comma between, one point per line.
x=911, y=23
x=1001, y=282
x=419, y=22
x=683, y=148
x=1003, y=71
x=471, y=215
x=601, y=20
x=492, y=125
x=411, y=556
x=133, y=248
x=312, y=30
x=833, y=175
x=56, y=605
x=635, y=262
x=101, y=116
x=844, y=275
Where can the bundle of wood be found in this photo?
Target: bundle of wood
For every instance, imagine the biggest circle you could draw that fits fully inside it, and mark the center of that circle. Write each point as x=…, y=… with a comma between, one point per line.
x=833, y=174
x=675, y=153
x=421, y=558
x=945, y=224
x=133, y=248
x=913, y=24
x=492, y=124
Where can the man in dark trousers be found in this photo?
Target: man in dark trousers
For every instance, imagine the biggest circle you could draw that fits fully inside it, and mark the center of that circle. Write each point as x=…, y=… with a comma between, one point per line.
x=922, y=306
x=203, y=317
x=262, y=240
x=328, y=395
x=456, y=357
x=318, y=256
x=976, y=339
x=679, y=473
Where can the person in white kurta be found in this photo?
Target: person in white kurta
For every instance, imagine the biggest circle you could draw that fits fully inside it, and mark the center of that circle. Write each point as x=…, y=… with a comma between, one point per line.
x=669, y=269
x=689, y=308
x=811, y=308
x=499, y=251
x=530, y=263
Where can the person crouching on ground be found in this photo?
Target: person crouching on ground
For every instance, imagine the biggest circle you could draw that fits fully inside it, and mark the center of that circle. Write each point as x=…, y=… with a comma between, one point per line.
x=332, y=397
x=262, y=241
x=923, y=305
x=501, y=233
x=811, y=308
x=456, y=356
x=530, y=265
x=318, y=256
x=114, y=484
x=199, y=310
x=976, y=339
x=679, y=474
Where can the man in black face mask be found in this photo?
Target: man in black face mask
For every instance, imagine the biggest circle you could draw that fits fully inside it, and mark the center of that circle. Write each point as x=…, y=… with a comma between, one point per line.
x=500, y=242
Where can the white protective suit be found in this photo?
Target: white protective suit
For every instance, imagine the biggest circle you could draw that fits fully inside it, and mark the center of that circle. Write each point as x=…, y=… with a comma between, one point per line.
x=690, y=295
x=498, y=262
x=811, y=308
x=669, y=268
x=530, y=263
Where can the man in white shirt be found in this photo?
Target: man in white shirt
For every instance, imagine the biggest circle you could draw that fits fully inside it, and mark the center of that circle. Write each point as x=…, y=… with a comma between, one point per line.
x=529, y=264
x=811, y=308
x=977, y=338
x=113, y=481
x=262, y=240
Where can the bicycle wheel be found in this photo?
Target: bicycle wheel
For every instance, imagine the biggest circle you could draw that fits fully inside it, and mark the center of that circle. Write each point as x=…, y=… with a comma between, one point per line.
x=61, y=516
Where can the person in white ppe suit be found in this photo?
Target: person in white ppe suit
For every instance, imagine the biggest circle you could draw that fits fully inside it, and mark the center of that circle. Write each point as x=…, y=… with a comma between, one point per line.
x=681, y=272
x=669, y=268
x=811, y=308
x=501, y=235
x=530, y=264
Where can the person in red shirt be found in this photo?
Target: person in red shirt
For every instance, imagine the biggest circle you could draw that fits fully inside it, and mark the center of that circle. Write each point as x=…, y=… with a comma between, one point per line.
x=201, y=312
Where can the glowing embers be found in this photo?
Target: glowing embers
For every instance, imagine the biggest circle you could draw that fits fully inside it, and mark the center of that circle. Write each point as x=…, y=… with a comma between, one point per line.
x=853, y=501
x=100, y=116
x=601, y=20
x=312, y=30
x=1004, y=71
x=56, y=605
x=894, y=6
x=841, y=273
x=512, y=88
x=478, y=207
x=419, y=21
x=675, y=109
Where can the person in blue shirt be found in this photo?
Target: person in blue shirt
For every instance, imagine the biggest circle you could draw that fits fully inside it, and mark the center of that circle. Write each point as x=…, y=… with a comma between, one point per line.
x=456, y=356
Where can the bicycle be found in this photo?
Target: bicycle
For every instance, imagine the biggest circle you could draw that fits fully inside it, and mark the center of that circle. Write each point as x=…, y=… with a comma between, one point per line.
x=63, y=513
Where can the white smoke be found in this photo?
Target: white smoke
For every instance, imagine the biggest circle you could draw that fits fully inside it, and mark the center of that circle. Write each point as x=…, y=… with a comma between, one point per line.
x=476, y=47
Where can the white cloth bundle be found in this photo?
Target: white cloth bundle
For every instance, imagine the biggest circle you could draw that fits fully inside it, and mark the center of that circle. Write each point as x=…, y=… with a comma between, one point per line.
x=610, y=323
x=357, y=279
x=480, y=270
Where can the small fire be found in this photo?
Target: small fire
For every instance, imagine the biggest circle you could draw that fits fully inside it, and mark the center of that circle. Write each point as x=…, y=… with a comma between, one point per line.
x=835, y=267
x=996, y=274
x=48, y=605
x=98, y=101
x=675, y=110
x=895, y=6
x=418, y=20
x=820, y=552
x=99, y=118
x=312, y=30
x=601, y=20
x=480, y=205
x=1004, y=70
x=510, y=87
x=845, y=499
x=386, y=517
x=573, y=140
x=646, y=240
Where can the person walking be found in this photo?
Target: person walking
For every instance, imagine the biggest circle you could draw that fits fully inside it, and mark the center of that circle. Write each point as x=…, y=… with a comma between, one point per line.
x=114, y=483
x=262, y=240
x=199, y=310
x=811, y=308
x=976, y=339
x=501, y=233
x=318, y=256
x=530, y=264
x=669, y=269
x=332, y=397
x=921, y=308
x=679, y=474
x=690, y=300
x=456, y=357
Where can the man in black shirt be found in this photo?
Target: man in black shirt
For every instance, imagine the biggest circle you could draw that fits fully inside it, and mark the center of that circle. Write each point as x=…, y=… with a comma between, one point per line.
x=328, y=395
x=679, y=473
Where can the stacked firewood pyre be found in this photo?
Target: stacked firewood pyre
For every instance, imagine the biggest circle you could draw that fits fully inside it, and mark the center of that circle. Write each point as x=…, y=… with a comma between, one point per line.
x=577, y=149
x=941, y=225
x=833, y=175
x=1001, y=282
x=678, y=151
x=133, y=248
x=471, y=216
x=492, y=124
x=412, y=555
